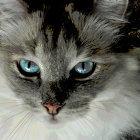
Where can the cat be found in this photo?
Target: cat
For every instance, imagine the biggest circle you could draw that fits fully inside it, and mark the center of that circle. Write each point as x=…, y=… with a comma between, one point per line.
x=60, y=78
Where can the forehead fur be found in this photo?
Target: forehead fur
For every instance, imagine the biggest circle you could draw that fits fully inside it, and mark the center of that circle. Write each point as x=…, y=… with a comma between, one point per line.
x=16, y=32
x=95, y=31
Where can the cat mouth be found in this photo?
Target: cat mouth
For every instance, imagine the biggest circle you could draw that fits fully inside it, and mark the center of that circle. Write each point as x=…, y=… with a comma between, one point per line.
x=53, y=120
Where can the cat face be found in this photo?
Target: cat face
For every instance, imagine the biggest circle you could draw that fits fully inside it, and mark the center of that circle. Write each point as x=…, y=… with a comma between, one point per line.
x=61, y=61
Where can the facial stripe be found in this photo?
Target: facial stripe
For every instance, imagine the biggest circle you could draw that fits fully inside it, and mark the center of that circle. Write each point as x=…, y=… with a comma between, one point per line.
x=58, y=21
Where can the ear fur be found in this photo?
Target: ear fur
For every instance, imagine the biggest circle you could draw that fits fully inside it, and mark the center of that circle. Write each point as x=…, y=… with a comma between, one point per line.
x=10, y=9
x=111, y=8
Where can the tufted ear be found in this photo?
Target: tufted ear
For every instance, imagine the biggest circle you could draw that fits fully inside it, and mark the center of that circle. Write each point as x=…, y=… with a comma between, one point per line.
x=110, y=8
x=10, y=9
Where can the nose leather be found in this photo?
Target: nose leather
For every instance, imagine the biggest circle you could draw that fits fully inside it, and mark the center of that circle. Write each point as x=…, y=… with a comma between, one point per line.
x=53, y=110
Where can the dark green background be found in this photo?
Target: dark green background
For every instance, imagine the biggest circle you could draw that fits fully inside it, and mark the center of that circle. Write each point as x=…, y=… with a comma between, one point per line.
x=131, y=31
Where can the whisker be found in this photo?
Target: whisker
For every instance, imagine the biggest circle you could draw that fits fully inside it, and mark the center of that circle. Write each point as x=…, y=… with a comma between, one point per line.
x=7, y=114
x=86, y=127
x=9, y=118
x=95, y=106
x=18, y=126
x=22, y=125
x=9, y=99
x=15, y=106
x=27, y=129
x=10, y=102
x=89, y=119
x=106, y=101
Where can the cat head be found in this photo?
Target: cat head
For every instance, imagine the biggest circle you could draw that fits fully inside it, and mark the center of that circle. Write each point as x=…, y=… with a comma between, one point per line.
x=60, y=57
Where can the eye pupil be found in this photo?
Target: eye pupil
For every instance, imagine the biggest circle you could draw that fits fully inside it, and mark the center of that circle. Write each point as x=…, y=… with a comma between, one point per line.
x=29, y=64
x=83, y=65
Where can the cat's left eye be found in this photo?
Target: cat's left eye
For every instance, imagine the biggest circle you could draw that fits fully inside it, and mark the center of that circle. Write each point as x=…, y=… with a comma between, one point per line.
x=83, y=70
x=28, y=68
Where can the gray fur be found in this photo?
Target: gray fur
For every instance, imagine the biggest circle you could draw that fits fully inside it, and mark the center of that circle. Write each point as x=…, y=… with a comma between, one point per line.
x=101, y=107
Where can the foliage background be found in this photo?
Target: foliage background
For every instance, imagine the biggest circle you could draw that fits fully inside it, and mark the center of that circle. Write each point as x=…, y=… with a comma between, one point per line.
x=131, y=32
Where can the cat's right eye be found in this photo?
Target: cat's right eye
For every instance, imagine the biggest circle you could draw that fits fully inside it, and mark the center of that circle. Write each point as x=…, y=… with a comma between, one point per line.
x=28, y=68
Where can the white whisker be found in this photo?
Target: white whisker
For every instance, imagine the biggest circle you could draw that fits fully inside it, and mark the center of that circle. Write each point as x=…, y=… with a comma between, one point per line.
x=28, y=125
x=9, y=118
x=19, y=125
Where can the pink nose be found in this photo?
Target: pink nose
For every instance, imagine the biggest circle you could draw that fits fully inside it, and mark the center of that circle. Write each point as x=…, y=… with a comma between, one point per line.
x=52, y=110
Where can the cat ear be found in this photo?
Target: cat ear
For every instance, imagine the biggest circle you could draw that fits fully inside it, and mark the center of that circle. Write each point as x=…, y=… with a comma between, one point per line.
x=111, y=7
x=9, y=9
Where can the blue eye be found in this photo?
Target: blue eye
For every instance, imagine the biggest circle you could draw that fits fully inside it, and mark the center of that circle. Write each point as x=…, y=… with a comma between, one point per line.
x=83, y=69
x=28, y=68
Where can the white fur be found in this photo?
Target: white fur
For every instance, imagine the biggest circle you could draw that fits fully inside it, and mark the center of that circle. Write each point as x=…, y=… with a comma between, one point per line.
x=10, y=9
